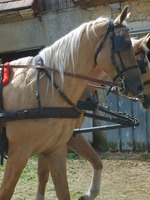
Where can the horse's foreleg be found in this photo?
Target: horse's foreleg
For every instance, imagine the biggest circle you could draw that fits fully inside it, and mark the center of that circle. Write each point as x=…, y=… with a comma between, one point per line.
x=15, y=164
x=82, y=148
x=43, y=175
x=57, y=167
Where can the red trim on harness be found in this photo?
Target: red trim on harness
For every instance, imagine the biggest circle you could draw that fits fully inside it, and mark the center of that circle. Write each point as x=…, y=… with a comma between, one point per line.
x=6, y=74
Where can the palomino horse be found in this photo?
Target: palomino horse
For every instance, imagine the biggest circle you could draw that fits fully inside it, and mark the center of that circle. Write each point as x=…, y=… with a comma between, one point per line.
x=144, y=99
x=79, y=145
x=77, y=53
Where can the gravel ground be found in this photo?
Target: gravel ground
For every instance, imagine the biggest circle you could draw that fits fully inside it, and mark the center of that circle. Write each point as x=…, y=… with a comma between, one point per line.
x=126, y=176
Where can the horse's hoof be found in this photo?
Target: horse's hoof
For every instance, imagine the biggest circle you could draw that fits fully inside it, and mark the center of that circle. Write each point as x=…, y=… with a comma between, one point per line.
x=84, y=197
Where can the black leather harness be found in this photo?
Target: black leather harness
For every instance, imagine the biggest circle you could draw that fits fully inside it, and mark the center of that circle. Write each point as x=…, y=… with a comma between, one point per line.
x=40, y=112
x=37, y=113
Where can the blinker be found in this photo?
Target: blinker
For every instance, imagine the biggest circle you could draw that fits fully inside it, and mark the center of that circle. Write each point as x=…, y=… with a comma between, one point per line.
x=119, y=43
x=142, y=66
x=141, y=63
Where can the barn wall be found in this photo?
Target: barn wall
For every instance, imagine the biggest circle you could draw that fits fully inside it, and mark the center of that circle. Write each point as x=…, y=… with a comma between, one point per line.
x=138, y=138
x=49, y=26
x=127, y=139
x=42, y=30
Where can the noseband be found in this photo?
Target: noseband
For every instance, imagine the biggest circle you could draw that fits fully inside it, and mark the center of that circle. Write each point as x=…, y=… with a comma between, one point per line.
x=117, y=44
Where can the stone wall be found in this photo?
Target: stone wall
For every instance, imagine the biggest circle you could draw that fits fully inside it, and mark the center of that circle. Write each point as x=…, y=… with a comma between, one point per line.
x=140, y=10
x=50, y=26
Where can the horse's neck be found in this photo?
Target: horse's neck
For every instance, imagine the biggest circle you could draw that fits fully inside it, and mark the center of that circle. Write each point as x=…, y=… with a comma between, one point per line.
x=74, y=87
x=97, y=74
x=86, y=63
x=22, y=61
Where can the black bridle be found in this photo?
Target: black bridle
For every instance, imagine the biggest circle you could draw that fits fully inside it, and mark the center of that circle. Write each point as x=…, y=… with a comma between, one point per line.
x=117, y=44
x=142, y=64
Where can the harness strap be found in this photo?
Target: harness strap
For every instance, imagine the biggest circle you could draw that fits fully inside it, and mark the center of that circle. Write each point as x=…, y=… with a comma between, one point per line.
x=46, y=112
x=1, y=90
x=91, y=98
x=113, y=57
x=141, y=63
x=90, y=104
x=109, y=29
x=140, y=51
x=38, y=61
x=146, y=82
x=3, y=145
x=126, y=69
x=123, y=66
x=59, y=90
x=37, y=90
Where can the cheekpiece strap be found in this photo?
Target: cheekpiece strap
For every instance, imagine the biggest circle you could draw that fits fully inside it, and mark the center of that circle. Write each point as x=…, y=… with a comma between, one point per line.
x=109, y=29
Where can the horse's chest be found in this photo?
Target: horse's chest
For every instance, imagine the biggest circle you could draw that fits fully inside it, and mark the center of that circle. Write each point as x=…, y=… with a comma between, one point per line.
x=40, y=134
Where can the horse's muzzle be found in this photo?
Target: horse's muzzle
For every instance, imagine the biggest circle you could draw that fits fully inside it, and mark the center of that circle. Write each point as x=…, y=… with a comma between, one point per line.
x=145, y=101
x=133, y=86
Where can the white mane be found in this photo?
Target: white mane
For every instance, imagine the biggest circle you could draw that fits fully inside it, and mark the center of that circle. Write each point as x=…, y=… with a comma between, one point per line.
x=65, y=50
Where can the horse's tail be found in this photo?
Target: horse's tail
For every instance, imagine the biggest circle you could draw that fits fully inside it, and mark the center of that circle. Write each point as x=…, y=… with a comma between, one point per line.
x=3, y=144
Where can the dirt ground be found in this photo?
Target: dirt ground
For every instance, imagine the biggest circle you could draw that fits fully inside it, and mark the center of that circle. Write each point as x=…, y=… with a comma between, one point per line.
x=126, y=176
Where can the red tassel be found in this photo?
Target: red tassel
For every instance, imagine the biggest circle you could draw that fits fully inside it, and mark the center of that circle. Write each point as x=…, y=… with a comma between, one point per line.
x=6, y=74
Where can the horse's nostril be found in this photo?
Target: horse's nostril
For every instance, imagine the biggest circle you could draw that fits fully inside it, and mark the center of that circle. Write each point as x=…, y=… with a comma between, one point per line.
x=140, y=88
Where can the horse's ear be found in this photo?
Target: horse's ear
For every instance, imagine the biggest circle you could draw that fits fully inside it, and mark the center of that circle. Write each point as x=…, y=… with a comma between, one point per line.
x=144, y=38
x=123, y=15
x=127, y=18
x=147, y=40
x=144, y=41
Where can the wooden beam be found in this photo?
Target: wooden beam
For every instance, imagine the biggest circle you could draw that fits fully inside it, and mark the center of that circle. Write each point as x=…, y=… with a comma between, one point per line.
x=93, y=3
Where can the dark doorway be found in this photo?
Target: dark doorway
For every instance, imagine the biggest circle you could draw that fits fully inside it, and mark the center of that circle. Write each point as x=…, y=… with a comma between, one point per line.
x=7, y=57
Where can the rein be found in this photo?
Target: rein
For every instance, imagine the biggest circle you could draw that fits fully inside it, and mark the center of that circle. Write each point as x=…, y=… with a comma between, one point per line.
x=113, y=90
x=92, y=81
x=79, y=76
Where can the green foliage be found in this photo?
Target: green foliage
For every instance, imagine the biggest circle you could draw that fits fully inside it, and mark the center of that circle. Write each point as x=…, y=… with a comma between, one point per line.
x=112, y=146
x=73, y=156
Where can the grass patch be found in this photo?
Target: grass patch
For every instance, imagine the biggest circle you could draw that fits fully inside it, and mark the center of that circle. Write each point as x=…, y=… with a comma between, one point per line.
x=125, y=177
x=73, y=156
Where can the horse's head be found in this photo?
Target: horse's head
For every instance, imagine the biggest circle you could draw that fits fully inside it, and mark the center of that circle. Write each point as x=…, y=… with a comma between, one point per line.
x=116, y=57
x=141, y=49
